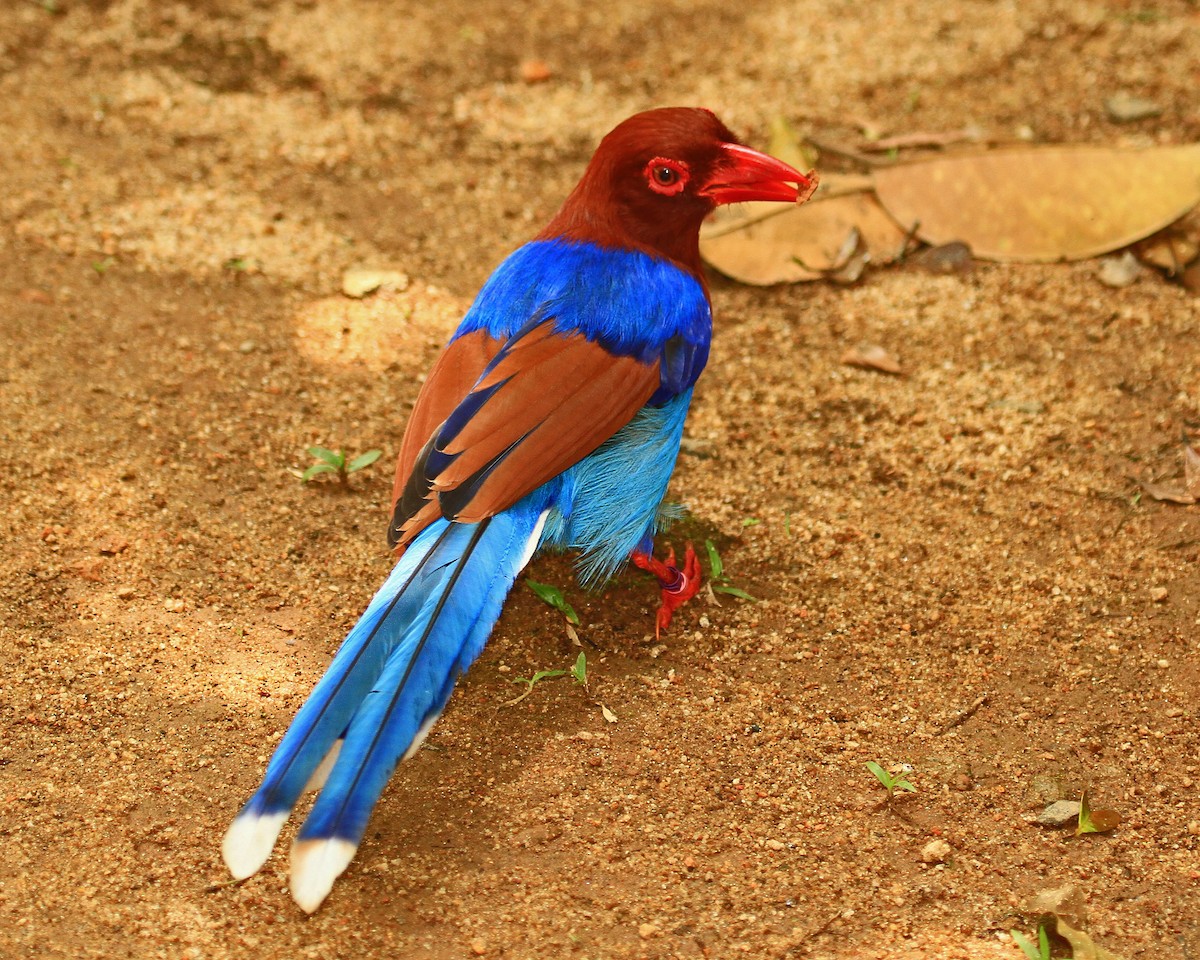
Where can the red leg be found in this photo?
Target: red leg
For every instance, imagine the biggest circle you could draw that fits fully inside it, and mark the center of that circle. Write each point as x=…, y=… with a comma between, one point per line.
x=678, y=586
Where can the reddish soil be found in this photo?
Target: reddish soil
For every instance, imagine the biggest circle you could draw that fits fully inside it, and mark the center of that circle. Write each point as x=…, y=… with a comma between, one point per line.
x=957, y=568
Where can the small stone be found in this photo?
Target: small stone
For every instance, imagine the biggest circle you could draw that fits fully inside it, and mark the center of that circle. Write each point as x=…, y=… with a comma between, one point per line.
x=1124, y=107
x=1158, y=594
x=962, y=782
x=1119, y=271
x=110, y=546
x=647, y=930
x=247, y=346
x=356, y=284
x=126, y=593
x=689, y=862
x=936, y=850
x=774, y=844
x=1194, y=828
x=478, y=947
x=535, y=71
x=1162, y=664
x=1059, y=813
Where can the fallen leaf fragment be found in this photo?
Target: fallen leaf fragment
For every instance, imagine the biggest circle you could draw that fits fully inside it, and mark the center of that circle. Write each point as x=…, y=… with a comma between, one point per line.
x=1191, y=470
x=1170, y=251
x=1168, y=493
x=868, y=356
x=608, y=714
x=1042, y=204
x=1065, y=902
x=952, y=257
x=765, y=243
x=1083, y=947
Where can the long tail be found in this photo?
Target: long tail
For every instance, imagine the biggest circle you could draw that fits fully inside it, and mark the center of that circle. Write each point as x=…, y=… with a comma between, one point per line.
x=382, y=693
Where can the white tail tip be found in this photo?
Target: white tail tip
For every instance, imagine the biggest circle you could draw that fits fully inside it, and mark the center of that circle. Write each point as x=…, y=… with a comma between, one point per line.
x=248, y=842
x=315, y=865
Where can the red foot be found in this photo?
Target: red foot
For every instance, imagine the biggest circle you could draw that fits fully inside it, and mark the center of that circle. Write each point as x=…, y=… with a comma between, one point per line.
x=678, y=586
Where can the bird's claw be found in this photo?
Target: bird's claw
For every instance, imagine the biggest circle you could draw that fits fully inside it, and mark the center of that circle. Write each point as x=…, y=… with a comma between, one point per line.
x=678, y=585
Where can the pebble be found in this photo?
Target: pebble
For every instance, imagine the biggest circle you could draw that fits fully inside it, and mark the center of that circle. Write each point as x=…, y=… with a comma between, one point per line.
x=647, y=930
x=936, y=850
x=774, y=844
x=1158, y=594
x=1126, y=108
x=1059, y=813
x=1119, y=271
x=356, y=284
x=478, y=947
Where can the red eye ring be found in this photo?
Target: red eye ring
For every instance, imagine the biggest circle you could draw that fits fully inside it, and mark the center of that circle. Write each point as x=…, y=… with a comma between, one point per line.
x=665, y=176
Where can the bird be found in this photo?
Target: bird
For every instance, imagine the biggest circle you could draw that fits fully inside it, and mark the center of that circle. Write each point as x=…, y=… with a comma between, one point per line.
x=551, y=420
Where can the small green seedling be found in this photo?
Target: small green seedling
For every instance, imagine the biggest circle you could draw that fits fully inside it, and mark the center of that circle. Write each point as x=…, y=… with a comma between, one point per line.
x=101, y=266
x=533, y=681
x=552, y=596
x=1039, y=952
x=1095, y=821
x=717, y=581
x=579, y=671
x=890, y=783
x=330, y=461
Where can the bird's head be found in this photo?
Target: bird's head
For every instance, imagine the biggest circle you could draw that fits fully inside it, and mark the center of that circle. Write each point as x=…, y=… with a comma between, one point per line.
x=657, y=175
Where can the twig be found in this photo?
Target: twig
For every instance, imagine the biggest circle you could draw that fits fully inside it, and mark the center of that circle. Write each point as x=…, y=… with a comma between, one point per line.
x=848, y=153
x=963, y=715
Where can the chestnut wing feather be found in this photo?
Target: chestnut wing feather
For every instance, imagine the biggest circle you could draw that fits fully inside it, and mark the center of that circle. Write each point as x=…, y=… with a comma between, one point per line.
x=544, y=402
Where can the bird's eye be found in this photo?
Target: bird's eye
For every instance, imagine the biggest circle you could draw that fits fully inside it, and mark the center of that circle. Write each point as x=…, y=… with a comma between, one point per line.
x=667, y=177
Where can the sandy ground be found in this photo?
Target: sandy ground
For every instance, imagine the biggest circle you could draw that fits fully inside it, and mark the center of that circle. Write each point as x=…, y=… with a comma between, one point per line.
x=955, y=567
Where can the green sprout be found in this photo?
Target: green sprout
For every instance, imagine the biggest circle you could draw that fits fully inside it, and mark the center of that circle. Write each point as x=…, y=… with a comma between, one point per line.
x=1095, y=821
x=717, y=581
x=330, y=461
x=1039, y=952
x=891, y=783
x=552, y=596
x=579, y=671
x=532, y=682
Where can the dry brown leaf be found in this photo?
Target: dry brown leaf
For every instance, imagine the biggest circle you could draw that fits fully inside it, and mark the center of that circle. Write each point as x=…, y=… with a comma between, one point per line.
x=1042, y=204
x=1168, y=492
x=1083, y=947
x=954, y=257
x=1065, y=902
x=771, y=244
x=868, y=356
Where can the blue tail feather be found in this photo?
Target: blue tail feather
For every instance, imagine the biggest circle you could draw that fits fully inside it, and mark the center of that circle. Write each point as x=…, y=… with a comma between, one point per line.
x=390, y=679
